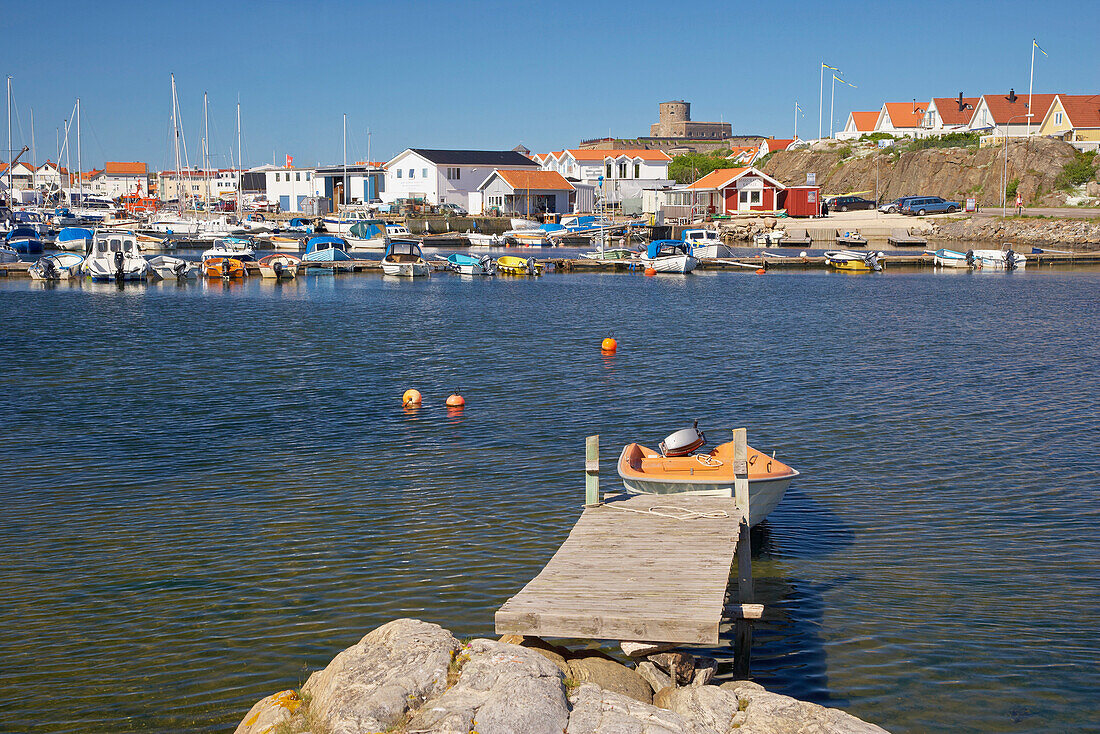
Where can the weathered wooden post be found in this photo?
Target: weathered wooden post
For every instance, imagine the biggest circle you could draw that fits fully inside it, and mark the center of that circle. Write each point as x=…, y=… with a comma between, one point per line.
x=743, y=625
x=592, y=471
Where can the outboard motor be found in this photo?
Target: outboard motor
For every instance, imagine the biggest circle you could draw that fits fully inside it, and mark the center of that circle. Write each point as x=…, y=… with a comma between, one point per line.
x=871, y=258
x=225, y=267
x=180, y=269
x=530, y=266
x=1010, y=260
x=486, y=263
x=683, y=442
x=970, y=258
x=49, y=269
x=278, y=268
x=120, y=260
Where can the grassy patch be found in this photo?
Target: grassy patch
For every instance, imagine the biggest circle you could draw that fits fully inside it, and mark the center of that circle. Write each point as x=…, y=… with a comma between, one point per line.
x=844, y=151
x=1077, y=171
x=953, y=140
x=1013, y=185
x=571, y=685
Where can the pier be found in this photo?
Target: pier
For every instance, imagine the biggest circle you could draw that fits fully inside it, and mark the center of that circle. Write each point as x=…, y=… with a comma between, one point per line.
x=646, y=568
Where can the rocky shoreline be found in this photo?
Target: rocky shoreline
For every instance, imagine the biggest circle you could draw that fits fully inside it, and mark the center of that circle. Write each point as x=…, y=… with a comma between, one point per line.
x=409, y=676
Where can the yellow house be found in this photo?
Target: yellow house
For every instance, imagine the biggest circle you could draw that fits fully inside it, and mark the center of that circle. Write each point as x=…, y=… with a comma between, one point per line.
x=1074, y=118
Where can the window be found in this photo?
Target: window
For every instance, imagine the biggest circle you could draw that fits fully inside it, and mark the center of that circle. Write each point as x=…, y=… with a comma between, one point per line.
x=608, y=167
x=276, y=178
x=637, y=170
x=297, y=176
x=423, y=173
x=454, y=174
x=1057, y=118
x=754, y=197
x=412, y=173
x=622, y=170
x=307, y=175
x=399, y=173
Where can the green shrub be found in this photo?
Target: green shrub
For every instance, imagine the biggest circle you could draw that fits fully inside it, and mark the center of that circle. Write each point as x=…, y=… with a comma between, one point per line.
x=952, y=140
x=1076, y=172
x=844, y=151
x=1013, y=185
x=872, y=137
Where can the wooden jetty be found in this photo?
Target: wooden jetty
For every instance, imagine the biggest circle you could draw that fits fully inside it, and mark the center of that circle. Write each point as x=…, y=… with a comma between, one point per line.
x=906, y=238
x=646, y=568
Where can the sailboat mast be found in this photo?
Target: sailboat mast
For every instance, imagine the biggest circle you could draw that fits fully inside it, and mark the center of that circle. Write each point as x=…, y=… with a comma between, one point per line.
x=9, y=139
x=344, y=184
x=205, y=150
x=176, y=145
x=240, y=164
x=79, y=169
x=34, y=157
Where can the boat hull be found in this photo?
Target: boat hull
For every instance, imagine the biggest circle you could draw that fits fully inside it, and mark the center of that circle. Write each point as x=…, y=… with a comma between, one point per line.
x=228, y=268
x=406, y=270
x=672, y=264
x=764, y=494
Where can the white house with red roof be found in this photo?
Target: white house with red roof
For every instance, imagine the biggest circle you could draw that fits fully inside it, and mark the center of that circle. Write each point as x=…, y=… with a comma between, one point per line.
x=732, y=191
x=446, y=176
x=617, y=174
x=1010, y=114
x=858, y=125
x=527, y=193
x=945, y=115
x=900, y=119
x=772, y=145
x=119, y=177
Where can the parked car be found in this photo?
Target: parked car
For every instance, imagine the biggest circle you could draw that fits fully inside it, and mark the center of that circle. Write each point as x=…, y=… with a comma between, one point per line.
x=894, y=207
x=846, y=203
x=921, y=205
x=453, y=210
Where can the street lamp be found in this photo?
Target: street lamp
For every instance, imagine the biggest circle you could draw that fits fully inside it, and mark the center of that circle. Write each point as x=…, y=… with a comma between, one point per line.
x=1004, y=175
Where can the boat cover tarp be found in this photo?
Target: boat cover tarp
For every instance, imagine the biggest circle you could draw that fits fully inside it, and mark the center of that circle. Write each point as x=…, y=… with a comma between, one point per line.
x=68, y=234
x=21, y=233
x=673, y=247
x=322, y=240
x=368, y=230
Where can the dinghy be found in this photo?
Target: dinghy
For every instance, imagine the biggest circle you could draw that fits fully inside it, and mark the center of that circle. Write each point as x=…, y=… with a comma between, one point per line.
x=946, y=258
x=227, y=268
x=669, y=256
x=74, y=239
x=858, y=262
x=404, y=258
x=617, y=253
x=279, y=266
x=513, y=265
x=62, y=266
x=1003, y=259
x=115, y=256
x=677, y=469
x=167, y=267
x=283, y=242
x=471, y=264
x=477, y=239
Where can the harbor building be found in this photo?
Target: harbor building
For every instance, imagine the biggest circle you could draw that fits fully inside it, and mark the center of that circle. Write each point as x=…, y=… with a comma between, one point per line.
x=618, y=176
x=525, y=193
x=290, y=187
x=446, y=176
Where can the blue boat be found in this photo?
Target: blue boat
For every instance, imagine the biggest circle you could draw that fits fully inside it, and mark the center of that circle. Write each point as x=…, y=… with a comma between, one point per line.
x=326, y=248
x=24, y=240
x=74, y=239
x=471, y=264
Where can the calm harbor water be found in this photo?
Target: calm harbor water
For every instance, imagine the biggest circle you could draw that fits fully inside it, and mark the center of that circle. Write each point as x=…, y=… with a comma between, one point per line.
x=211, y=489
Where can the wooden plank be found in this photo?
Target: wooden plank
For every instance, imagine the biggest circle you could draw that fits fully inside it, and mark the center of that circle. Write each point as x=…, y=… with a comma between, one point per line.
x=743, y=625
x=592, y=470
x=625, y=573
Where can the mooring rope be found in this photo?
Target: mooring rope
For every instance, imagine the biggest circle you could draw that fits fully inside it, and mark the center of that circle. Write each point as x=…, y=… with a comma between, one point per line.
x=673, y=512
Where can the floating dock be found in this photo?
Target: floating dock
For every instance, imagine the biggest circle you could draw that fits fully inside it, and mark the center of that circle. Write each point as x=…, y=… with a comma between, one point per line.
x=645, y=568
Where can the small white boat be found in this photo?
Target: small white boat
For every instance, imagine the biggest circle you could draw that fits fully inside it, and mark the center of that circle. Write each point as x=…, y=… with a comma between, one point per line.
x=771, y=238
x=240, y=248
x=677, y=469
x=946, y=258
x=478, y=239
x=705, y=243
x=519, y=223
x=668, y=256
x=115, y=256
x=167, y=267
x=404, y=258
x=62, y=266
x=342, y=222
x=279, y=266
x=1003, y=259
x=471, y=264
x=8, y=254
x=528, y=237
x=368, y=234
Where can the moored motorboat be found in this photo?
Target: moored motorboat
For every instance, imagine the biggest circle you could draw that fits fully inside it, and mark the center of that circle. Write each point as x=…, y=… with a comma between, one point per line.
x=471, y=264
x=115, y=256
x=61, y=266
x=677, y=469
x=858, y=262
x=1003, y=259
x=479, y=239
x=528, y=237
x=946, y=258
x=704, y=243
x=404, y=258
x=24, y=240
x=513, y=265
x=74, y=239
x=326, y=248
x=368, y=234
x=615, y=253
x=669, y=256
x=286, y=242
x=227, y=268
x=279, y=266
x=167, y=267
x=8, y=253
x=237, y=248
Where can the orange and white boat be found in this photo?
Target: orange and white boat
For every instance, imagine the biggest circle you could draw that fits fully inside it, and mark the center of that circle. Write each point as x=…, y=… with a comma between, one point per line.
x=677, y=468
x=223, y=267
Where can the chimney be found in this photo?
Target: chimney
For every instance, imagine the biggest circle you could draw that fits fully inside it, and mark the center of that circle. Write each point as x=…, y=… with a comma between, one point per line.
x=961, y=105
x=1012, y=96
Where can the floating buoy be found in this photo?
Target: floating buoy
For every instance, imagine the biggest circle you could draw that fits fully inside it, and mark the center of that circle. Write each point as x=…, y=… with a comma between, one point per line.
x=609, y=345
x=802, y=254
x=761, y=271
x=411, y=397
x=650, y=272
x=456, y=401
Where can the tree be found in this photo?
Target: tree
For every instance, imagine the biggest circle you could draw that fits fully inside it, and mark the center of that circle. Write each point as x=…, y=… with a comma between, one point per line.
x=691, y=167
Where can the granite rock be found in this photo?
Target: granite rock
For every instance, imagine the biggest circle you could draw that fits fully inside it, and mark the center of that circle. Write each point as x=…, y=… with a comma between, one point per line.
x=611, y=676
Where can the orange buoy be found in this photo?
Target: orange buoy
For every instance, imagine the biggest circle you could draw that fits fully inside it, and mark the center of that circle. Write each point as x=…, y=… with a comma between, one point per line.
x=761, y=271
x=609, y=345
x=456, y=401
x=650, y=272
x=411, y=397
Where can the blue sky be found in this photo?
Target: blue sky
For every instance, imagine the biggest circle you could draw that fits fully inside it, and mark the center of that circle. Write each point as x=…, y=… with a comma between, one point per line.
x=495, y=74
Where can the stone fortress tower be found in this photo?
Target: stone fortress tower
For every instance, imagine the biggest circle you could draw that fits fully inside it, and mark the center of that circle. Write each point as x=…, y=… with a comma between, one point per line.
x=675, y=122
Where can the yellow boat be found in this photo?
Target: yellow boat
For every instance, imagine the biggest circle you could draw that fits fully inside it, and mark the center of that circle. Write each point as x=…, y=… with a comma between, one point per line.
x=513, y=265
x=853, y=262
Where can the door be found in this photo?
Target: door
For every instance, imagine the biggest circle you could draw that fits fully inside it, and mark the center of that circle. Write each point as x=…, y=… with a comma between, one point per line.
x=284, y=203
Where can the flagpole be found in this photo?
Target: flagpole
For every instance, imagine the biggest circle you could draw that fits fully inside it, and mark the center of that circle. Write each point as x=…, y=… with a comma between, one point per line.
x=832, y=98
x=820, y=99
x=1029, y=85
x=796, y=120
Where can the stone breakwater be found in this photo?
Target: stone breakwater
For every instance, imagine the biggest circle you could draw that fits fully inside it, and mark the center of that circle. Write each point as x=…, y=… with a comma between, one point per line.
x=1079, y=234
x=411, y=676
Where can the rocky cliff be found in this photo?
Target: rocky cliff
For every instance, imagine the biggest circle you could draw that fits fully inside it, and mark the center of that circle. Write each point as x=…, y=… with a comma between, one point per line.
x=955, y=173
x=411, y=676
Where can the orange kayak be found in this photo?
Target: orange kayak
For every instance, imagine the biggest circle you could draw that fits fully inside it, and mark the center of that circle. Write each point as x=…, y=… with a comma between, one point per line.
x=224, y=267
